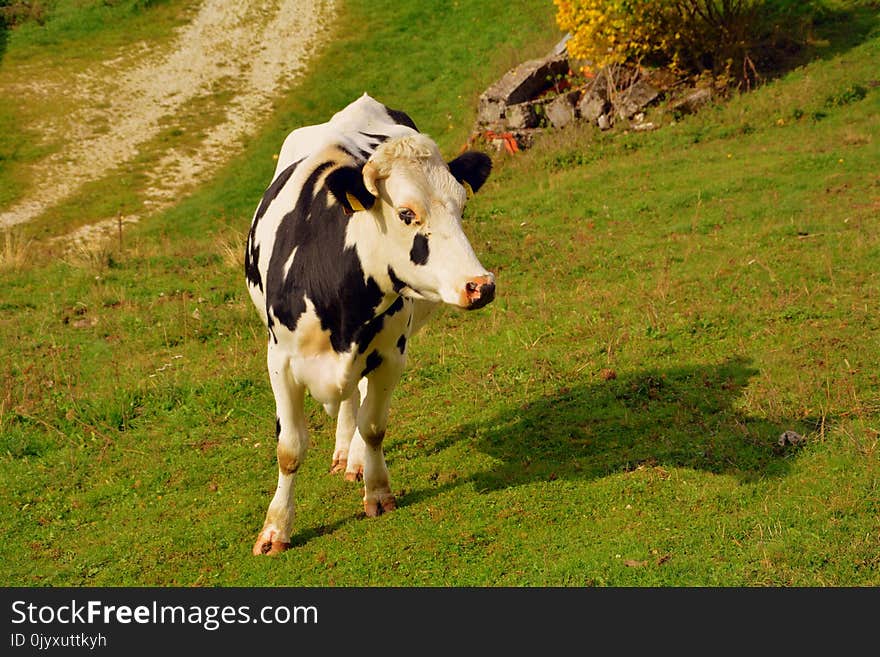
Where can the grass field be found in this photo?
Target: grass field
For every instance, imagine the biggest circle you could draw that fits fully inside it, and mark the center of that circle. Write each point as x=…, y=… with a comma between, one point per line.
x=669, y=303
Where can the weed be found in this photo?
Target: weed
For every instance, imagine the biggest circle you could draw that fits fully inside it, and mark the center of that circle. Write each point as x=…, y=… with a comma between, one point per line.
x=851, y=94
x=16, y=249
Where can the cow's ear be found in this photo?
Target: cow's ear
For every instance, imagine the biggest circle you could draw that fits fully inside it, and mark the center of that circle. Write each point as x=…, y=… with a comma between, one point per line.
x=347, y=186
x=471, y=169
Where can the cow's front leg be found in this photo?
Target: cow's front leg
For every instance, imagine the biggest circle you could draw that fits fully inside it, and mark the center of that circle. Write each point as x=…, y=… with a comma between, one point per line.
x=293, y=441
x=372, y=422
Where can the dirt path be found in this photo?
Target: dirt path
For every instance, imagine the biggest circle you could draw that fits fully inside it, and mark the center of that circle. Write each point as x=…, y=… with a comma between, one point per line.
x=251, y=47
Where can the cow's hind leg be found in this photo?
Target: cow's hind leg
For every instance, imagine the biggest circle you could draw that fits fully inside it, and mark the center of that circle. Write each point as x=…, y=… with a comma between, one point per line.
x=346, y=426
x=372, y=422
x=354, y=470
x=293, y=441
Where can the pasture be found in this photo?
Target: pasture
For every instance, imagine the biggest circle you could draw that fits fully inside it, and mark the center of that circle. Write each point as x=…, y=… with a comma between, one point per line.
x=668, y=305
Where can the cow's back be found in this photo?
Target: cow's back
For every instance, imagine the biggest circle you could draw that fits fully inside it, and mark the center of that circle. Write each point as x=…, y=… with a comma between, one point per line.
x=347, y=128
x=353, y=133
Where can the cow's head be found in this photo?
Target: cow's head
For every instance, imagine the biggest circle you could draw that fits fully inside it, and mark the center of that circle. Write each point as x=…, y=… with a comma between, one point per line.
x=406, y=206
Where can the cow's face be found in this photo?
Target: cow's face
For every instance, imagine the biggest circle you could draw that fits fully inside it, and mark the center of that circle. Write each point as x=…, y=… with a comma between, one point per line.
x=418, y=210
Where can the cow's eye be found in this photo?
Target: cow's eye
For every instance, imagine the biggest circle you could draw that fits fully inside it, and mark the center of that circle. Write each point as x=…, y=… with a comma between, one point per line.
x=406, y=215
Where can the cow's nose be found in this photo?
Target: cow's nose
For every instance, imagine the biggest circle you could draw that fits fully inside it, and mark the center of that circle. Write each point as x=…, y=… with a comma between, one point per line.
x=479, y=291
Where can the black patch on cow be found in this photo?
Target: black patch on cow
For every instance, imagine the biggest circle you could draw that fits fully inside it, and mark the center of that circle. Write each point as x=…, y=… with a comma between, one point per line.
x=471, y=167
x=252, y=250
x=396, y=283
x=349, y=180
x=360, y=155
x=272, y=191
x=377, y=139
x=373, y=361
x=252, y=260
x=419, y=251
x=277, y=427
x=395, y=307
x=354, y=156
x=401, y=344
x=324, y=269
x=401, y=118
x=372, y=328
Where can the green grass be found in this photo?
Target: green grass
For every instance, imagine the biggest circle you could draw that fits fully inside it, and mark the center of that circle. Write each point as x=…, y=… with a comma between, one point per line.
x=668, y=304
x=78, y=29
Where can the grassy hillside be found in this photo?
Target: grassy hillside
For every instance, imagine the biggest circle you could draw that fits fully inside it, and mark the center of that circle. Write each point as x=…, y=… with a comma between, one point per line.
x=669, y=303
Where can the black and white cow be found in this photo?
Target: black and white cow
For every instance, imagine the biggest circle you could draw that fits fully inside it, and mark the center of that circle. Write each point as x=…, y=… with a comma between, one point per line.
x=356, y=240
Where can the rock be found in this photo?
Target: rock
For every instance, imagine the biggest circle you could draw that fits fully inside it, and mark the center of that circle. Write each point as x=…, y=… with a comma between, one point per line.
x=598, y=87
x=561, y=48
x=591, y=106
x=790, y=438
x=692, y=101
x=519, y=85
x=525, y=138
x=490, y=111
x=539, y=93
x=561, y=110
x=635, y=98
x=639, y=124
x=520, y=116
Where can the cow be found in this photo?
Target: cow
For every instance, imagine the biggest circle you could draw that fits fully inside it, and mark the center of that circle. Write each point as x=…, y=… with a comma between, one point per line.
x=353, y=244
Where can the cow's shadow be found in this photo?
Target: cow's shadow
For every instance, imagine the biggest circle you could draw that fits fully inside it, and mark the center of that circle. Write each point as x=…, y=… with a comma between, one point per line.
x=686, y=417
x=689, y=417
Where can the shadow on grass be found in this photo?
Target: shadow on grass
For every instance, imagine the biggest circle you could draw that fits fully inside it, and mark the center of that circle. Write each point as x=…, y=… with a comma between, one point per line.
x=308, y=534
x=784, y=36
x=838, y=30
x=4, y=31
x=682, y=417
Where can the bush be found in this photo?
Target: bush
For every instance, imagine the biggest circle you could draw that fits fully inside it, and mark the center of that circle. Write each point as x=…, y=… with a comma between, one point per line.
x=724, y=37
x=15, y=12
x=605, y=32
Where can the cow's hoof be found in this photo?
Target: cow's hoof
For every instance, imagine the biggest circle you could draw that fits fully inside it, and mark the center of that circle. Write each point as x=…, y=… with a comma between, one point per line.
x=338, y=465
x=374, y=508
x=268, y=543
x=269, y=548
x=355, y=475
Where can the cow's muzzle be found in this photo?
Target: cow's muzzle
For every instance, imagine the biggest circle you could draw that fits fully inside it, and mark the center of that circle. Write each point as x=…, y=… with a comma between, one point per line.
x=478, y=292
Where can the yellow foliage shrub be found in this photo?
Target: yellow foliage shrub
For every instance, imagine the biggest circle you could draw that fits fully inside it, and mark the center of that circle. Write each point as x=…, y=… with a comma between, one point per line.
x=611, y=31
x=720, y=36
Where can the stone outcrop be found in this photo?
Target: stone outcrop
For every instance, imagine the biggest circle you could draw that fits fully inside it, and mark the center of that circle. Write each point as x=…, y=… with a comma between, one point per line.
x=520, y=85
x=692, y=101
x=539, y=94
